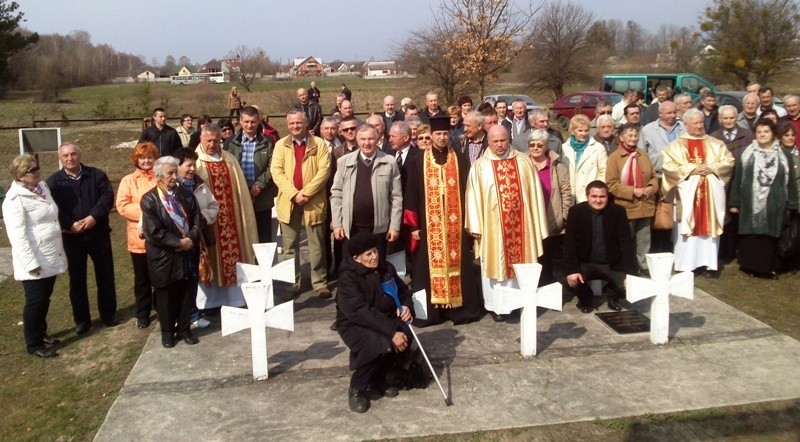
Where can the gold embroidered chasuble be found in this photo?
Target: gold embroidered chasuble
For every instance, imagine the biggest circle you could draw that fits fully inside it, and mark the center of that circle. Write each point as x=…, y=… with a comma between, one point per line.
x=235, y=228
x=505, y=206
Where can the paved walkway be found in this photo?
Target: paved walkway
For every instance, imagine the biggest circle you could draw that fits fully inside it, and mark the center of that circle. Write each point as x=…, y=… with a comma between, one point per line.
x=717, y=356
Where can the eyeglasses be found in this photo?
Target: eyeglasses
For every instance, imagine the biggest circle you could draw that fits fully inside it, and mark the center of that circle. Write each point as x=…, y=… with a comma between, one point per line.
x=423, y=138
x=532, y=145
x=34, y=169
x=604, y=113
x=187, y=119
x=227, y=129
x=347, y=129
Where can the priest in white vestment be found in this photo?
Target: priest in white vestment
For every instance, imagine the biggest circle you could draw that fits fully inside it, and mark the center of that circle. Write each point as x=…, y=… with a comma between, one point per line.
x=235, y=229
x=505, y=213
x=696, y=168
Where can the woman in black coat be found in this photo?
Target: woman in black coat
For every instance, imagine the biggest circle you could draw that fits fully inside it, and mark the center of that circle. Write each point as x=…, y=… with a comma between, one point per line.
x=369, y=322
x=171, y=223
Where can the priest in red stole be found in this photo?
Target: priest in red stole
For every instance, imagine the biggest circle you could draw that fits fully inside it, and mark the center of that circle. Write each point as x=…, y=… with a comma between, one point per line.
x=235, y=229
x=696, y=168
x=505, y=213
x=441, y=253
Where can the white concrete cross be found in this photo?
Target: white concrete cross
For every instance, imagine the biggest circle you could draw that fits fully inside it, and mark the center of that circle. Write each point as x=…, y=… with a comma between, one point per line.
x=660, y=287
x=260, y=298
x=257, y=319
x=528, y=296
x=264, y=271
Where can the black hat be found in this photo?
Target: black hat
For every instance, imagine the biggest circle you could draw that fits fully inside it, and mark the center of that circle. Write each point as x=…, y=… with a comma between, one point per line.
x=361, y=242
x=440, y=122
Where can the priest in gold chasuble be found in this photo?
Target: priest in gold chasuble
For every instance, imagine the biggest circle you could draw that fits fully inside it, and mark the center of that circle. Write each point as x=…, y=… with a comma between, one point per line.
x=505, y=214
x=235, y=230
x=441, y=253
x=696, y=169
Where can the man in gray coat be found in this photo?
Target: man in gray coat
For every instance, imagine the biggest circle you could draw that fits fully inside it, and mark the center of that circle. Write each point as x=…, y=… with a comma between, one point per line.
x=367, y=195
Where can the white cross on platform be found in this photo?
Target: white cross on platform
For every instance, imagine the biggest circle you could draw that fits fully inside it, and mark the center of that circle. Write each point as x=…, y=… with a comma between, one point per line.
x=257, y=319
x=528, y=296
x=660, y=286
x=264, y=271
x=261, y=311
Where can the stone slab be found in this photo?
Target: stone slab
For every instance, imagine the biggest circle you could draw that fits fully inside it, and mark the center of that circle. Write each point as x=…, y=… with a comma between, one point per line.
x=717, y=356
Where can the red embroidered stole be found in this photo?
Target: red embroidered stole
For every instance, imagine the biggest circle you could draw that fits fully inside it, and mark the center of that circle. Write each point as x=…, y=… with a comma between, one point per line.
x=509, y=197
x=702, y=206
x=229, y=248
x=444, y=225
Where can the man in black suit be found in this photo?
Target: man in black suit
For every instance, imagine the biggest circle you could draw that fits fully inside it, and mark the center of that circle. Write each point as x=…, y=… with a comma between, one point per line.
x=162, y=135
x=598, y=245
x=404, y=152
x=390, y=114
x=312, y=110
x=383, y=136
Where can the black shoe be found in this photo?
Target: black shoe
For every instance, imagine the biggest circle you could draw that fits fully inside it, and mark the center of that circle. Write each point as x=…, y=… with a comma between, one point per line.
x=166, y=340
x=111, y=323
x=143, y=323
x=358, y=400
x=612, y=305
x=584, y=308
x=49, y=340
x=380, y=391
x=82, y=329
x=333, y=326
x=497, y=318
x=44, y=353
x=190, y=338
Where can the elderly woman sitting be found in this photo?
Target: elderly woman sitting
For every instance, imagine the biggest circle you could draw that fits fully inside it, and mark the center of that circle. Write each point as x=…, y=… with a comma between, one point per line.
x=370, y=323
x=171, y=223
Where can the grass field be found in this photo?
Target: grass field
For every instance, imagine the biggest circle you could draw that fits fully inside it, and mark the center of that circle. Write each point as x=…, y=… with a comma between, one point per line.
x=67, y=398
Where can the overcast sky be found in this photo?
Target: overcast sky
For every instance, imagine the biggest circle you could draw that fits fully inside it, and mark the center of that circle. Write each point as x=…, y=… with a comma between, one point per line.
x=330, y=29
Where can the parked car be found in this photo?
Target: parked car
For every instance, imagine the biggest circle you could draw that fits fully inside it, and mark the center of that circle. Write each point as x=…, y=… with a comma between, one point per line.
x=647, y=83
x=530, y=104
x=735, y=98
x=578, y=103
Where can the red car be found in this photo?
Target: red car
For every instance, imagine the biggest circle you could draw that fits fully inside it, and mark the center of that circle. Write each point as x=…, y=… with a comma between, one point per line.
x=584, y=103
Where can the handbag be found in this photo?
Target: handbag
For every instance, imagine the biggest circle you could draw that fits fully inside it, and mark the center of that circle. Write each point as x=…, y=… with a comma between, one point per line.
x=204, y=270
x=664, y=218
x=789, y=241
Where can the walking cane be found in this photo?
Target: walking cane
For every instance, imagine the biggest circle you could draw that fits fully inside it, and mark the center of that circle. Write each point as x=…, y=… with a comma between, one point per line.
x=390, y=288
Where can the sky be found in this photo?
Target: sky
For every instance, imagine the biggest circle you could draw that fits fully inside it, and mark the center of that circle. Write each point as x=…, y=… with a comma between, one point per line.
x=330, y=29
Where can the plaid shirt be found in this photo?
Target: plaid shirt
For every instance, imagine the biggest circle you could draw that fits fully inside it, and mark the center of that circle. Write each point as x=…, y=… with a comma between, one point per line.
x=248, y=166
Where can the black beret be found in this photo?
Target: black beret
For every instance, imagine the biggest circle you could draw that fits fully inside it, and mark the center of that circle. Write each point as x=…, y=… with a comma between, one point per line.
x=361, y=242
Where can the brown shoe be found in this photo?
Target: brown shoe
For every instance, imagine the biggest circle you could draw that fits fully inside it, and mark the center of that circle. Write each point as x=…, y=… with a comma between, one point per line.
x=324, y=293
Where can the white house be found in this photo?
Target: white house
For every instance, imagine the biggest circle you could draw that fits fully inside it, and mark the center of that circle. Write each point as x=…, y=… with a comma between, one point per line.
x=373, y=69
x=146, y=77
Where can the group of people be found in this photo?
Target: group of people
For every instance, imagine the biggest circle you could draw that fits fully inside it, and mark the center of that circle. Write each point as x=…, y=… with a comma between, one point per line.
x=460, y=195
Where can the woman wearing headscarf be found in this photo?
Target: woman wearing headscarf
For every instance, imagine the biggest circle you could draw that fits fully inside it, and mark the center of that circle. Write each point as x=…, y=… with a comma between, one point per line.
x=764, y=189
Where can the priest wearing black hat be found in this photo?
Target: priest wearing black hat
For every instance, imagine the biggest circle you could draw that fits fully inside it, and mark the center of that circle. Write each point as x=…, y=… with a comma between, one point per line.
x=441, y=250
x=369, y=322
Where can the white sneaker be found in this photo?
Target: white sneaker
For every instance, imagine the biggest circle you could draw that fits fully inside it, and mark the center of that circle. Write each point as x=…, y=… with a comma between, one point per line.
x=201, y=323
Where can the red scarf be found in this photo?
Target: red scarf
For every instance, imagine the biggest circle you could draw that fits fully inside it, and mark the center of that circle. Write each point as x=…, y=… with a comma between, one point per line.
x=631, y=172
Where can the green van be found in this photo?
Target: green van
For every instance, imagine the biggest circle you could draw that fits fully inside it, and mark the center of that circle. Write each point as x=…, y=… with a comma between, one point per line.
x=647, y=83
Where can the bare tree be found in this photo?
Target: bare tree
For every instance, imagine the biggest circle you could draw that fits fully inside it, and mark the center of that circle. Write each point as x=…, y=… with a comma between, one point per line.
x=753, y=40
x=489, y=35
x=169, y=66
x=253, y=64
x=561, y=50
x=423, y=54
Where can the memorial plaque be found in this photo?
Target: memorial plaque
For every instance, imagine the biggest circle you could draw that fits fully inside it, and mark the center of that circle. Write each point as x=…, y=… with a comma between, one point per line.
x=625, y=322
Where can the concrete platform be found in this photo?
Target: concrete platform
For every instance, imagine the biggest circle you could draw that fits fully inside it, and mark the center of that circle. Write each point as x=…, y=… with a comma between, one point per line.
x=717, y=356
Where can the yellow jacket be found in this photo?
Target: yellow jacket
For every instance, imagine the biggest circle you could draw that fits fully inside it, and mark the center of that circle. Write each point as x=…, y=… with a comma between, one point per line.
x=315, y=169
